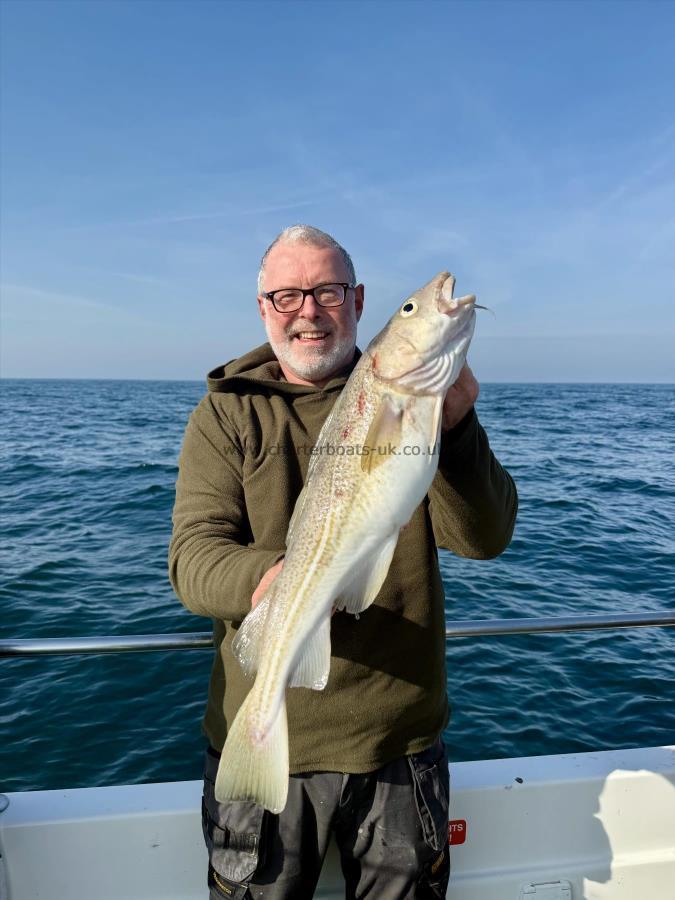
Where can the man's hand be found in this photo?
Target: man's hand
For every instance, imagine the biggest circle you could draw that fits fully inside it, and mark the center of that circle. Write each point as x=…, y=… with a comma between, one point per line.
x=460, y=398
x=265, y=583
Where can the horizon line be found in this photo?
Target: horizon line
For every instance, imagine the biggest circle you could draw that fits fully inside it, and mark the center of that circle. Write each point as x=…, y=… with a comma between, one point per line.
x=203, y=380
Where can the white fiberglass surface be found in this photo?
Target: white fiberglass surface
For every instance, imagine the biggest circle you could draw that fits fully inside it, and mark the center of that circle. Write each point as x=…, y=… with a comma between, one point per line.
x=603, y=822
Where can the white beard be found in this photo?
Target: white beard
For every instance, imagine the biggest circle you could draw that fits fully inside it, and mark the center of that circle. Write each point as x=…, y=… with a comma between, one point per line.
x=315, y=365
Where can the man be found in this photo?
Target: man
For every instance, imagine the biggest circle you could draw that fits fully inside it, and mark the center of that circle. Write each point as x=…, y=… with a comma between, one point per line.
x=367, y=761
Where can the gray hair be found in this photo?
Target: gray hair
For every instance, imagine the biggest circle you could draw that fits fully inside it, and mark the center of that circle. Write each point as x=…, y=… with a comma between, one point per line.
x=306, y=234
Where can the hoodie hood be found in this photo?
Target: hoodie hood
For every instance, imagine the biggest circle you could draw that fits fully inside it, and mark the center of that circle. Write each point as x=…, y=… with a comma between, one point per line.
x=261, y=367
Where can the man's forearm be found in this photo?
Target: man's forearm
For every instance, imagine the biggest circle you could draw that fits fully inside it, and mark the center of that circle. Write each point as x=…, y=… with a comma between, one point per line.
x=212, y=567
x=214, y=577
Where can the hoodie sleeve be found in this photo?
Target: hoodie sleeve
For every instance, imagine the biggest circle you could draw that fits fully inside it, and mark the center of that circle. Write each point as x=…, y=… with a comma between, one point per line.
x=473, y=499
x=211, y=567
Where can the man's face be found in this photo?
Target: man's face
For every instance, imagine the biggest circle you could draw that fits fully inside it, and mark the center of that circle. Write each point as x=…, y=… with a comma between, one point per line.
x=314, y=343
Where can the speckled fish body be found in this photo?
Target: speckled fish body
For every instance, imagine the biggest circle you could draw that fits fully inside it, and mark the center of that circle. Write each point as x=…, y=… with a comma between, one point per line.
x=372, y=465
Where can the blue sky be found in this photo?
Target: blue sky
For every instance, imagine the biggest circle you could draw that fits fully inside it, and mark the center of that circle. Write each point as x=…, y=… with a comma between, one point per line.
x=151, y=151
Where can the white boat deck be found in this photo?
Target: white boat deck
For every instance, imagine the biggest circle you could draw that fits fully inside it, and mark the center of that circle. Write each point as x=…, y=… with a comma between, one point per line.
x=593, y=825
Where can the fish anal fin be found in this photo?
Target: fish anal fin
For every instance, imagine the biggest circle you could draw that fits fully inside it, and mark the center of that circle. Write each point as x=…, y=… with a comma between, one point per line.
x=384, y=434
x=313, y=665
x=369, y=580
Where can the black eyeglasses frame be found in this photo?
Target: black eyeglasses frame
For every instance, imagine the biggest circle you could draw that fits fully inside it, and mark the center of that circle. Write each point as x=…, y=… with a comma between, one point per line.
x=345, y=285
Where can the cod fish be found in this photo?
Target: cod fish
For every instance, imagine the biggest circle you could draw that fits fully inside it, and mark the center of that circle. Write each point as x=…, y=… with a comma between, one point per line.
x=345, y=525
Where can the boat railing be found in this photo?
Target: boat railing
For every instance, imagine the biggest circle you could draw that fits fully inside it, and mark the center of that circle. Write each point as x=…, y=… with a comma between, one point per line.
x=204, y=640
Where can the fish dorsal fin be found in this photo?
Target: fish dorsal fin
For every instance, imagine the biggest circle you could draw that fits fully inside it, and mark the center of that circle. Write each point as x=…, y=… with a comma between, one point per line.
x=302, y=496
x=325, y=428
x=384, y=434
x=247, y=644
x=313, y=666
x=296, y=514
x=368, y=581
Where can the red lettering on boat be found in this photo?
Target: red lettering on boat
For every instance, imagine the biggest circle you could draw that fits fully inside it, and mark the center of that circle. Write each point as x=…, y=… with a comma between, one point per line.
x=456, y=831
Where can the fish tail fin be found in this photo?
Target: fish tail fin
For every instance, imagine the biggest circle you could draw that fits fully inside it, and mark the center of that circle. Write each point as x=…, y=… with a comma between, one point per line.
x=254, y=766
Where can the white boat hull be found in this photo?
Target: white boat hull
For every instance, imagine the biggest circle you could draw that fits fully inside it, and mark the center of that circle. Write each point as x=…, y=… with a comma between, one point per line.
x=598, y=826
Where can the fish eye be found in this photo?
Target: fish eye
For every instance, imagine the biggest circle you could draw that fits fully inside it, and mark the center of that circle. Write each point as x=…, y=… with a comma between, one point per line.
x=409, y=308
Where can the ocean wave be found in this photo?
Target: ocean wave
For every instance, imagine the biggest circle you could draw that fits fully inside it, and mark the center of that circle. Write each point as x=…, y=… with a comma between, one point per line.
x=88, y=473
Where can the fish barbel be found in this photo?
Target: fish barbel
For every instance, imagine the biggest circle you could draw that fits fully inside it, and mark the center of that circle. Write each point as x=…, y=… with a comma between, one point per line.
x=383, y=433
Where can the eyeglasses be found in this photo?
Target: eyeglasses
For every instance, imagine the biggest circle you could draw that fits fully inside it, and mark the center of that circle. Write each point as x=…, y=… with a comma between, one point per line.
x=288, y=300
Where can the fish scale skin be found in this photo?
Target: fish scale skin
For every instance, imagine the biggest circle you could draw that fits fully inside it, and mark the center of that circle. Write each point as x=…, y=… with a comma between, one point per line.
x=332, y=528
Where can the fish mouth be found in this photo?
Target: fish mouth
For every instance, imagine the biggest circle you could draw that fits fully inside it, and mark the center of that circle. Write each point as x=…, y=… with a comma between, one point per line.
x=448, y=304
x=460, y=310
x=454, y=306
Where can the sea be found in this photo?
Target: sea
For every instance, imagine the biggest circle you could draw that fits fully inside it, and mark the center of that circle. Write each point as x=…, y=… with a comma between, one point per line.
x=87, y=475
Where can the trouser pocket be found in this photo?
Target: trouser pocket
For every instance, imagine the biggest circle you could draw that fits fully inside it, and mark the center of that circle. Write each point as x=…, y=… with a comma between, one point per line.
x=433, y=884
x=219, y=886
x=233, y=836
x=431, y=782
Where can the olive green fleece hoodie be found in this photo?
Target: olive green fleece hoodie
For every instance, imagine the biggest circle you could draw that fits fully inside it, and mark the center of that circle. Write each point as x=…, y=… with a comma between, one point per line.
x=243, y=463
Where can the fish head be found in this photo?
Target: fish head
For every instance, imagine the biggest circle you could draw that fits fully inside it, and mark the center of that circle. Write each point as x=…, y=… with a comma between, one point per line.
x=424, y=345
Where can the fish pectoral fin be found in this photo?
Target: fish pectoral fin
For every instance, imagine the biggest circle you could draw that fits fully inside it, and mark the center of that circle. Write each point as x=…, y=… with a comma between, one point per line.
x=313, y=666
x=369, y=579
x=247, y=643
x=435, y=431
x=384, y=434
x=254, y=766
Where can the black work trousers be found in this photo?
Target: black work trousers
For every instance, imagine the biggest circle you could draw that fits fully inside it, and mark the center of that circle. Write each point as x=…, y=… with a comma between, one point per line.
x=390, y=826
